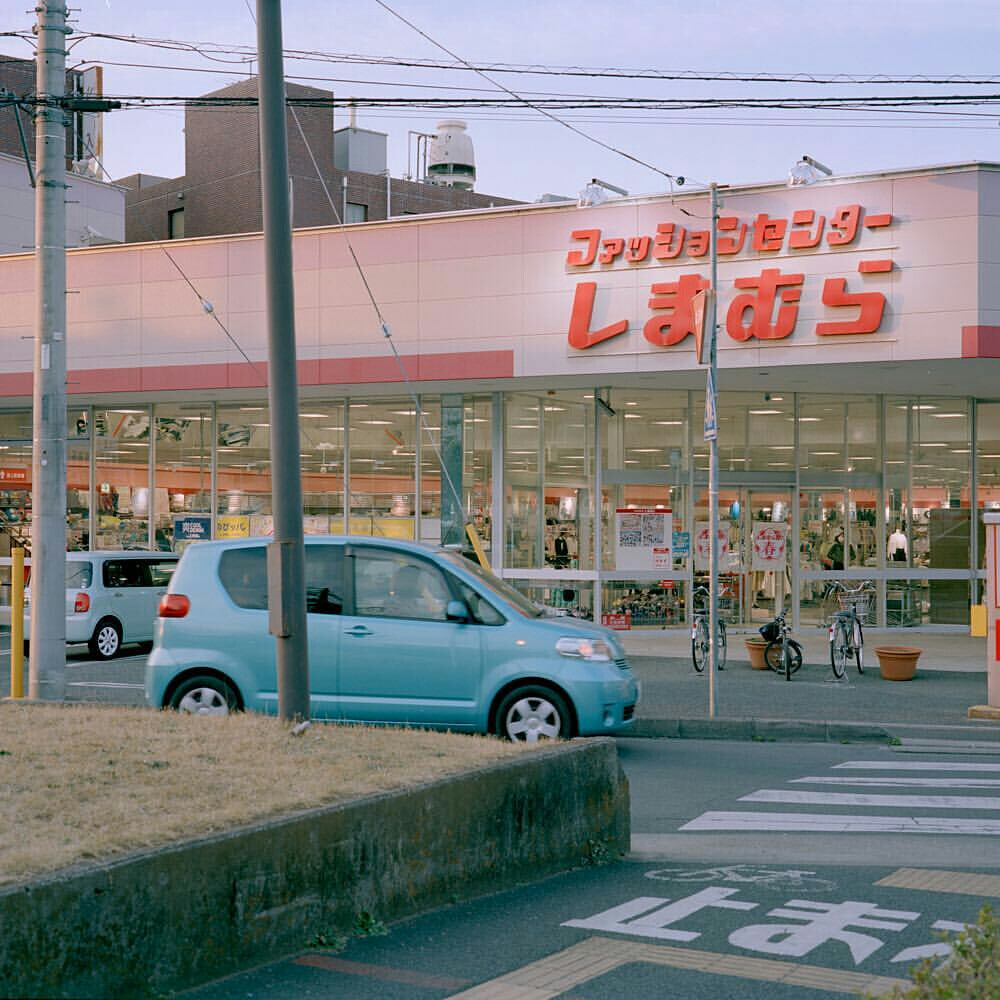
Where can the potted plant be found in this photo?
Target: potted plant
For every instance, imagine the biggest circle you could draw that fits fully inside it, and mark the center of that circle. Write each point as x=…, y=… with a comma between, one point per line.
x=755, y=648
x=897, y=663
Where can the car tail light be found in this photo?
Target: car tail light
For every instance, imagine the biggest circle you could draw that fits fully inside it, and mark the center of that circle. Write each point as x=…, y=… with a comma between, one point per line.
x=174, y=606
x=81, y=603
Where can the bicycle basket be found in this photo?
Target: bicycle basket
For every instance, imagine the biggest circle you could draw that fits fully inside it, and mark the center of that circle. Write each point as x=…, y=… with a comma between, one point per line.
x=861, y=603
x=770, y=631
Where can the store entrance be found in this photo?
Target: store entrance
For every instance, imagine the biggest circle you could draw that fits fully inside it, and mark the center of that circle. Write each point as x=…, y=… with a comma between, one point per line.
x=754, y=566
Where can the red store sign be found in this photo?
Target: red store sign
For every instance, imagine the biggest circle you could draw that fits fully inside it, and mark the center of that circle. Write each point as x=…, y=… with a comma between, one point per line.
x=13, y=475
x=766, y=306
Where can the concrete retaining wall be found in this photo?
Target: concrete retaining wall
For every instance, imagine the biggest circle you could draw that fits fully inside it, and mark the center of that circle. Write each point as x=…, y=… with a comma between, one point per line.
x=174, y=917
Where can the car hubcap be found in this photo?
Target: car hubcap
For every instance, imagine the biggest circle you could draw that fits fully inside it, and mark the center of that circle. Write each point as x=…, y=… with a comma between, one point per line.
x=204, y=701
x=533, y=719
x=107, y=641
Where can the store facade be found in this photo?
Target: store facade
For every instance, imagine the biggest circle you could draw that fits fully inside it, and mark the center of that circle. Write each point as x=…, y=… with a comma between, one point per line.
x=547, y=389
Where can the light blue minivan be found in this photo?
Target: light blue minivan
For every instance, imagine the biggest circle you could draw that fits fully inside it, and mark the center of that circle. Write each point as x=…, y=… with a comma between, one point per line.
x=399, y=632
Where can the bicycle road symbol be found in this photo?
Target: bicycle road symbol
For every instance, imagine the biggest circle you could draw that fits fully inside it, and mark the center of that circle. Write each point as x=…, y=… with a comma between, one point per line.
x=769, y=878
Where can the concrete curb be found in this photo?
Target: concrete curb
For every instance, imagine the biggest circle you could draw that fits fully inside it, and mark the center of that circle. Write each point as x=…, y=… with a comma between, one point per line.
x=783, y=730
x=167, y=919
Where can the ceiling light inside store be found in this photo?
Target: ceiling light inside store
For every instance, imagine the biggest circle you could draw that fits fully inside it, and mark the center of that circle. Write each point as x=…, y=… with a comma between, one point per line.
x=524, y=427
x=782, y=447
x=376, y=423
x=404, y=413
x=127, y=411
x=764, y=413
x=809, y=420
x=314, y=416
x=669, y=423
x=252, y=409
x=934, y=444
x=779, y=465
x=947, y=416
x=960, y=451
x=633, y=416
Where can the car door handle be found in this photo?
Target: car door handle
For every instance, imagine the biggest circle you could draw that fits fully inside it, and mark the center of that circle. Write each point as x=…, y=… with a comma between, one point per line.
x=359, y=631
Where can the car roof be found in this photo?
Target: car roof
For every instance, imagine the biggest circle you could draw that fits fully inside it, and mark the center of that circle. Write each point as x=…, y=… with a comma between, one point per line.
x=399, y=544
x=79, y=556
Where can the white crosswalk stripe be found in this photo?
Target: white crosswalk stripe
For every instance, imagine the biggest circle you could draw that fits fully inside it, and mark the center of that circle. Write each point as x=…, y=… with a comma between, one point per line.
x=852, y=808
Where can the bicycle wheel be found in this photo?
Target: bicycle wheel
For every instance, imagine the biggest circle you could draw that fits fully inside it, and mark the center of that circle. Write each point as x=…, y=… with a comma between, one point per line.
x=859, y=646
x=722, y=645
x=840, y=648
x=699, y=644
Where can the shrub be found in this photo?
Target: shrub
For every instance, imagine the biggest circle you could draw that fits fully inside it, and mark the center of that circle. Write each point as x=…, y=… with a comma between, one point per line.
x=970, y=972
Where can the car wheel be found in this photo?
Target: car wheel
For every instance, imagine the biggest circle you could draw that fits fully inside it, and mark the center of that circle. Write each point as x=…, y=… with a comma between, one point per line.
x=530, y=714
x=204, y=695
x=106, y=642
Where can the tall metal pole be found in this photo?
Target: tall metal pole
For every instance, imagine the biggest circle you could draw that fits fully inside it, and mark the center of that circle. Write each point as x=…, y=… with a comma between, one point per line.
x=712, y=436
x=47, y=663
x=286, y=554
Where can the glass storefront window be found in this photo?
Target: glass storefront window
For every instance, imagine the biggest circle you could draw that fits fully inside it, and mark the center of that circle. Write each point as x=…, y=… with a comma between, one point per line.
x=549, y=480
x=181, y=507
x=383, y=436
x=78, y=478
x=477, y=465
x=987, y=466
x=121, y=445
x=432, y=479
x=243, y=474
x=321, y=452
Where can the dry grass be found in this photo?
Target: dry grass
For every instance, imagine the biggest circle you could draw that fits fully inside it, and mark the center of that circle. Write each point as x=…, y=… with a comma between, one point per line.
x=87, y=782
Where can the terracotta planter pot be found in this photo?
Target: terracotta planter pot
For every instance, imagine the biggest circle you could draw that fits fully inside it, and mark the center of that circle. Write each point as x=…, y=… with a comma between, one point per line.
x=755, y=649
x=897, y=663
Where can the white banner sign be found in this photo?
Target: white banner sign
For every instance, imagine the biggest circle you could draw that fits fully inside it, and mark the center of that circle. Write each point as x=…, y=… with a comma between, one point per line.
x=702, y=540
x=643, y=538
x=770, y=545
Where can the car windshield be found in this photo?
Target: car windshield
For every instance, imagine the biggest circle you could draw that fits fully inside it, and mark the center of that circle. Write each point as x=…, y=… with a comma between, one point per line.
x=497, y=586
x=78, y=575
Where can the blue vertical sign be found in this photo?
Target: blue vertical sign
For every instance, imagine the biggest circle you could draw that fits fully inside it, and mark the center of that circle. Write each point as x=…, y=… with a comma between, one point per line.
x=711, y=417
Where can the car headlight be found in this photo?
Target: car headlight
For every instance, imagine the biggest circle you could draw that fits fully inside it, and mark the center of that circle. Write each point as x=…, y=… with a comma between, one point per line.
x=584, y=649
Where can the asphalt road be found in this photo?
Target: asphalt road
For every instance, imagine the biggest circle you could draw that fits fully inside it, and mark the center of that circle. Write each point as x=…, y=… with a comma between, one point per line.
x=755, y=909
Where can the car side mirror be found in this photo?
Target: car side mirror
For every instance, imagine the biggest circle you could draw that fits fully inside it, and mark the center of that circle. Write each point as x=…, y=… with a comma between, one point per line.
x=457, y=612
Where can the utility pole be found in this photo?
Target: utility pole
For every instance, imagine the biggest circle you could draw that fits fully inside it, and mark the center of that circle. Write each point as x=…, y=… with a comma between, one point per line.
x=712, y=436
x=47, y=663
x=286, y=554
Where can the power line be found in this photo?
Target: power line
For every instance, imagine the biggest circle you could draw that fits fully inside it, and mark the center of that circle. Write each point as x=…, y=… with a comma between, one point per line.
x=211, y=50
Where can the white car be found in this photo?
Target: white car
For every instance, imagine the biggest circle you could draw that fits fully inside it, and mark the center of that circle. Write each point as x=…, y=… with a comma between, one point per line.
x=112, y=597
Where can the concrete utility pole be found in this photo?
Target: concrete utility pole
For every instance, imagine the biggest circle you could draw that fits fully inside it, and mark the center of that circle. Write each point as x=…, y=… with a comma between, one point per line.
x=712, y=436
x=286, y=554
x=47, y=663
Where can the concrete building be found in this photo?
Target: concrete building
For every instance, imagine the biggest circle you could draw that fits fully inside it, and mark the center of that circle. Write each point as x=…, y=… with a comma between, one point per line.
x=220, y=191
x=95, y=211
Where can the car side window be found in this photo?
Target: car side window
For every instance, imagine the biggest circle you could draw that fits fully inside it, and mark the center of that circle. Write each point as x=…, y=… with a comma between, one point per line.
x=325, y=579
x=120, y=573
x=160, y=571
x=481, y=609
x=397, y=585
x=243, y=574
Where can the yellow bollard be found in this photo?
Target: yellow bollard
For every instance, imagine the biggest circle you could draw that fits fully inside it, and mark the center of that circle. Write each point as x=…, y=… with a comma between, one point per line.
x=977, y=624
x=17, y=622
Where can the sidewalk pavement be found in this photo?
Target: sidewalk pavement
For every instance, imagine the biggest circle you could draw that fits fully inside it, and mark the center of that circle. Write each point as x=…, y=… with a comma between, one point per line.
x=759, y=704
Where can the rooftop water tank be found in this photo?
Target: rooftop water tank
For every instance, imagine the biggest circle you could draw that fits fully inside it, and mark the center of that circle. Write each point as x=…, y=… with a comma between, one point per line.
x=451, y=161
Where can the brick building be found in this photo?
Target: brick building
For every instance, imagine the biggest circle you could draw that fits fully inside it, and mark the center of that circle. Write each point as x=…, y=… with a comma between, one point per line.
x=220, y=191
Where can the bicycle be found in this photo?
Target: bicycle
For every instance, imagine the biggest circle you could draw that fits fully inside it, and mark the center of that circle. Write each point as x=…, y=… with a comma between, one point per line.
x=782, y=653
x=699, y=634
x=847, y=637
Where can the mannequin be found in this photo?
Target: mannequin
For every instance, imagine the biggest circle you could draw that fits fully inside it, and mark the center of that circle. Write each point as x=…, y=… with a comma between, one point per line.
x=898, y=548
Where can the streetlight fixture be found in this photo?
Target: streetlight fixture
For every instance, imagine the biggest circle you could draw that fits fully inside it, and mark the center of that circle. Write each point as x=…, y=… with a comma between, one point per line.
x=593, y=193
x=807, y=171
